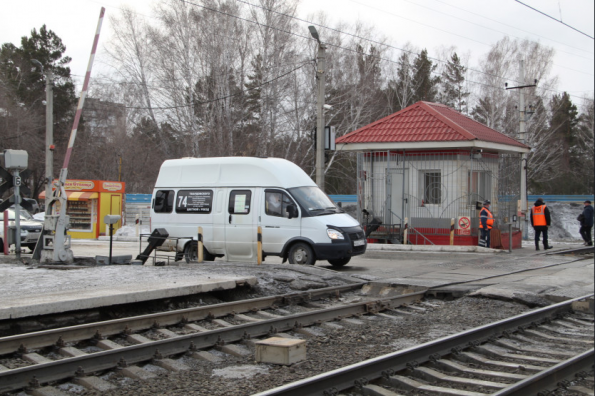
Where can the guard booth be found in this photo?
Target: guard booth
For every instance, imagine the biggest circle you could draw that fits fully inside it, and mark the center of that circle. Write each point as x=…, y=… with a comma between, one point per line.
x=89, y=201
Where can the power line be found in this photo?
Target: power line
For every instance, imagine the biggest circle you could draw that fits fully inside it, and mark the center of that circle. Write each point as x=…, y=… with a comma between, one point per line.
x=557, y=20
x=510, y=26
x=379, y=43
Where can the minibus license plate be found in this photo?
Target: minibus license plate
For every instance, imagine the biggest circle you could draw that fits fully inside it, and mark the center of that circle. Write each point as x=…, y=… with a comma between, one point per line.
x=359, y=242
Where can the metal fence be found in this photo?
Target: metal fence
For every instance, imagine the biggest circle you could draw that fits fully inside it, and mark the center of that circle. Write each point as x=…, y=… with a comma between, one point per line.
x=431, y=188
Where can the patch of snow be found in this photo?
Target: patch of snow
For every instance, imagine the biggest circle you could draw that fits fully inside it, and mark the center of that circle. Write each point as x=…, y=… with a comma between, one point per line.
x=130, y=230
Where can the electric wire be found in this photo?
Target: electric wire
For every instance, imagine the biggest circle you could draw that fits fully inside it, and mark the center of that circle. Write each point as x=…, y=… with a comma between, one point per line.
x=557, y=20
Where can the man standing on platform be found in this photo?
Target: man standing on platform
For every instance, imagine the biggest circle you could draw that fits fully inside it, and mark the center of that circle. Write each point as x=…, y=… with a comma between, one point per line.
x=587, y=224
x=486, y=222
x=540, y=220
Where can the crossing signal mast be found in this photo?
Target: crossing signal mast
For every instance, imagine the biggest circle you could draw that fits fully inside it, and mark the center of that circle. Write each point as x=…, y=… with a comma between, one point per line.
x=55, y=245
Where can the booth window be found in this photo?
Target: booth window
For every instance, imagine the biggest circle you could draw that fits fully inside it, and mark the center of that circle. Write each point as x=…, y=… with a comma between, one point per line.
x=164, y=201
x=432, y=187
x=239, y=201
x=479, y=186
x=276, y=203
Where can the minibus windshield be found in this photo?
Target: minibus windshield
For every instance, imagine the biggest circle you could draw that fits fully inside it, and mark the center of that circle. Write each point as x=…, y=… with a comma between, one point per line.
x=313, y=200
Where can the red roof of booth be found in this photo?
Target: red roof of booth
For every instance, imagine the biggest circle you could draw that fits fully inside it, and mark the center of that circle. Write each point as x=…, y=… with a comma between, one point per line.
x=426, y=122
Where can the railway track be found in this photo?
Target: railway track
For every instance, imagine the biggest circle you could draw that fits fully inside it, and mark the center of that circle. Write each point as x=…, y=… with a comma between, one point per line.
x=522, y=355
x=45, y=357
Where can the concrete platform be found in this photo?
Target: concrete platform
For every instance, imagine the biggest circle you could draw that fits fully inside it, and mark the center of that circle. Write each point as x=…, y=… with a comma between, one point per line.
x=30, y=291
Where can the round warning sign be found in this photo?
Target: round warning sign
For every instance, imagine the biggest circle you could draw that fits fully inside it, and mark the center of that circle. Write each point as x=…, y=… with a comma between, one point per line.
x=464, y=224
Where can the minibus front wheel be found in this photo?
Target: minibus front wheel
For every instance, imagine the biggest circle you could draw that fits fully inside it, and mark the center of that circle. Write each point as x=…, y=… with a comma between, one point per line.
x=301, y=253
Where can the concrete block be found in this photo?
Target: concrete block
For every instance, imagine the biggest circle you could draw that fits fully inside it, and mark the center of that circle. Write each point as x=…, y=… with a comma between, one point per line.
x=71, y=352
x=137, y=373
x=235, y=350
x=247, y=318
x=583, y=306
x=171, y=364
x=94, y=383
x=222, y=323
x=267, y=315
x=353, y=321
x=108, y=345
x=137, y=339
x=36, y=358
x=206, y=356
x=167, y=333
x=195, y=327
x=375, y=390
x=279, y=350
x=47, y=391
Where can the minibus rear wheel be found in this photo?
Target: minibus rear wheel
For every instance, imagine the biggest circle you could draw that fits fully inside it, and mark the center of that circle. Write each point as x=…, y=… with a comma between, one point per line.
x=339, y=262
x=190, y=253
x=301, y=253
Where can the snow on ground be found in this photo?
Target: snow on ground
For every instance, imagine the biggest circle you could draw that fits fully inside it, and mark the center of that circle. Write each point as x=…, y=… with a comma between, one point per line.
x=130, y=230
x=564, y=226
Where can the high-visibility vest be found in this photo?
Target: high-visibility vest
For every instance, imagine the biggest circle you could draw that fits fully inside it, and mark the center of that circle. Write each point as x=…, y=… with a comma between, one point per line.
x=490, y=218
x=538, y=216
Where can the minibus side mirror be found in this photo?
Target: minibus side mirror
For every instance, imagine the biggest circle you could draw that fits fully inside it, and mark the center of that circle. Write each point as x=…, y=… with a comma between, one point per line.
x=292, y=211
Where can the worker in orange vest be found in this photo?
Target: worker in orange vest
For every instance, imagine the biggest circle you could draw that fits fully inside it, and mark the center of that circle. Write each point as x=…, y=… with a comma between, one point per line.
x=486, y=222
x=540, y=220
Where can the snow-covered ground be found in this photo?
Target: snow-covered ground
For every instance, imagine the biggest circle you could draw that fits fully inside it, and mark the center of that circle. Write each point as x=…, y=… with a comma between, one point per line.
x=564, y=226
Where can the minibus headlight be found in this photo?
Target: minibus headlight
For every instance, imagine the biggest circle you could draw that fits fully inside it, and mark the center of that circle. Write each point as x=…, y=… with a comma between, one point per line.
x=334, y=234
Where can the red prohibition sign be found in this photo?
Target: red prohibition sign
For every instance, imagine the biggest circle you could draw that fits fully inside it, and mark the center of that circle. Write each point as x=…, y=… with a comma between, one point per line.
x=464, y=222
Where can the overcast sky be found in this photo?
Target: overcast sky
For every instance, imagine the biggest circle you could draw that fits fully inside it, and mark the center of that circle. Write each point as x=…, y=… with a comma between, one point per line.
x=470, y=25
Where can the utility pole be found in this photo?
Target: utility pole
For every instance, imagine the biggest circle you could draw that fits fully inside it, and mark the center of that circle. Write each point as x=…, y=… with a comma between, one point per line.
x=49, y=133
x=49, y=137
x=523, y=139
x=320, y=77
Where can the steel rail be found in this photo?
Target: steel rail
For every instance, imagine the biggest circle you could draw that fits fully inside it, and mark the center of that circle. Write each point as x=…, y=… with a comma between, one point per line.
x=583, y=250
x=44, y=338
x=345, y=377
x=551, y=377
x=65, y=368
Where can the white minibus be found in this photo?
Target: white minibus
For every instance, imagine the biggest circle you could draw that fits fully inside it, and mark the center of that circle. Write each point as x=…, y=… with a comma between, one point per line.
x=230, y=197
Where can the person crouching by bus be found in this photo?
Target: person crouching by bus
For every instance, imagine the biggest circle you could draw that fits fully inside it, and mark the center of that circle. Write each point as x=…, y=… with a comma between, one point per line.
x=486, y=222
x=540, y=220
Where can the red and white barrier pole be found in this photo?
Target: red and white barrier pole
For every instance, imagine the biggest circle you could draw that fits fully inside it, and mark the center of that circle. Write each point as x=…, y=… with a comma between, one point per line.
x=79, y=109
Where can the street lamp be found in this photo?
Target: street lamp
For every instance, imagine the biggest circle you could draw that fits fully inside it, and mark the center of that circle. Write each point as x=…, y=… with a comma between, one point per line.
x=49, y=132
x=320, y=77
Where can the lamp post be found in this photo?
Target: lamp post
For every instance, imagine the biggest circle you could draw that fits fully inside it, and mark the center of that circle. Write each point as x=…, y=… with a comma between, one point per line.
x=320, y=77
x=49, y=132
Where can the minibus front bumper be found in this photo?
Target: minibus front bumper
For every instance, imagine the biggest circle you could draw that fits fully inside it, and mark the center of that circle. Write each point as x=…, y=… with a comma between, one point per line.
x=354, y=244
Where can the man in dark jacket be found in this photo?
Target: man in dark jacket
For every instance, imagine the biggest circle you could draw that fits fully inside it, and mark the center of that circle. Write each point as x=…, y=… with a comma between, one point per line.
x=587, y=224
x=540, y=220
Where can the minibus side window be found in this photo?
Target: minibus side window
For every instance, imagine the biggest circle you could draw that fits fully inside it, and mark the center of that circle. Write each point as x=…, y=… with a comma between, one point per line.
x=276, y=202
x=239, y=201
x=164, y=201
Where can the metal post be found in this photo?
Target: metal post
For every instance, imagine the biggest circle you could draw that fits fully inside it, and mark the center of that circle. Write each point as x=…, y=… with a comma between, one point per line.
x=320, y=76
x=509, y=237
x=111, y=232
x=17, y=213
x=49, y=137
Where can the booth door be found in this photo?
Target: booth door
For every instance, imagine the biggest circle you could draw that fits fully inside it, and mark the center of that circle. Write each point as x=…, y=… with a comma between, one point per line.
x=116, y=209
x=399, y=183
